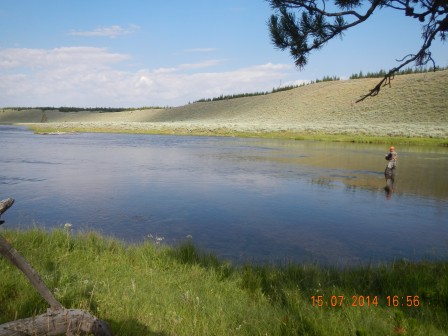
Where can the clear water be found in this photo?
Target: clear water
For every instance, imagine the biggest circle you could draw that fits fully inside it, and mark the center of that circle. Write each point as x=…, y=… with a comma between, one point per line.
x=244, y=199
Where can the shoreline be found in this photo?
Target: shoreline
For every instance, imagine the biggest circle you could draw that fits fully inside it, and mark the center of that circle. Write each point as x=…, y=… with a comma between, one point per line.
x=240, y=131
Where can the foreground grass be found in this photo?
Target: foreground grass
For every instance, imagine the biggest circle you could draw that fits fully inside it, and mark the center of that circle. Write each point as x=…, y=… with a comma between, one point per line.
x=147, y=289
x=419, y=141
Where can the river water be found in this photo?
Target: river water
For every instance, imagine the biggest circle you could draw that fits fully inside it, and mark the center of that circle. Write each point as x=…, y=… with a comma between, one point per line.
x=253, y=200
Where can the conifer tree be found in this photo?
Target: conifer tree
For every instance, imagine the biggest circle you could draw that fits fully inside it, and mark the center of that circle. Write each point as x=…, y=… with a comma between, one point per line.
x=306, y=25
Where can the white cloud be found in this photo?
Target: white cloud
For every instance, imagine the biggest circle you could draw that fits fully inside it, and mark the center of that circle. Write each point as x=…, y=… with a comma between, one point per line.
x=58, y=57
x=86, y=76
x=199, y=65
x=200, y=50
x=112, y=31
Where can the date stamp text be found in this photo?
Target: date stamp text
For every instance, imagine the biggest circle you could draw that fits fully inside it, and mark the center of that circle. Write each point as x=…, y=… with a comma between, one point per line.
x=365, y=301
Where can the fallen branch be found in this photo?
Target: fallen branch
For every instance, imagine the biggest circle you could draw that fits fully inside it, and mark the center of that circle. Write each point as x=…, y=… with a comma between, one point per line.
x=5, y=205
x=17, y=260
x=57, y=320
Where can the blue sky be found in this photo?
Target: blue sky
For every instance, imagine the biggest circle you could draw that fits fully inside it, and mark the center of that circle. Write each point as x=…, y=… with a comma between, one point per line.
x=110, y=53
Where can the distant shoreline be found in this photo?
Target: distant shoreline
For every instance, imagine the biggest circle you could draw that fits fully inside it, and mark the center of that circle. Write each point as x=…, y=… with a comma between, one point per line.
x=187, y=130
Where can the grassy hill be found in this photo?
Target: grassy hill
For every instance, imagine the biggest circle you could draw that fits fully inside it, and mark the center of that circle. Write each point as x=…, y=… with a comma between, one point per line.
x=415, y=97
x=415, y=105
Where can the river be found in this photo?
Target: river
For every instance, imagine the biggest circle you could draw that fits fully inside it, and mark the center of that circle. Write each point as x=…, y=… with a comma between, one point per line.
x=246, y=200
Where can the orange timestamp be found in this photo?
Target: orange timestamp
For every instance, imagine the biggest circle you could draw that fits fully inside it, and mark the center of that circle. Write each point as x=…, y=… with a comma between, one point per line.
x=365, y=301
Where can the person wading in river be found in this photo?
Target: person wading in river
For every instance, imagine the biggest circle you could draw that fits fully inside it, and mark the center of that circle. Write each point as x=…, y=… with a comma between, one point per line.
x=389, y=172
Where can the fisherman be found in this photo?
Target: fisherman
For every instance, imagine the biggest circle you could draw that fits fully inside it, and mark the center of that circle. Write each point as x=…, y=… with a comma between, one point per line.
x=389, y=172
x=391, y=157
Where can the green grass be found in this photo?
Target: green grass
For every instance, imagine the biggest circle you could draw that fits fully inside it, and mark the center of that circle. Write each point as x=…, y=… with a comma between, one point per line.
x=148, y=289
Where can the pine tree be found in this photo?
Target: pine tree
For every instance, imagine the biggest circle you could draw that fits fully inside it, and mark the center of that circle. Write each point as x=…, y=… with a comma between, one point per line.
x=306, y=25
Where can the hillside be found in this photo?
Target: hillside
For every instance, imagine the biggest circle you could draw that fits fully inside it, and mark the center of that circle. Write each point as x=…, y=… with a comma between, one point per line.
x=416, y=105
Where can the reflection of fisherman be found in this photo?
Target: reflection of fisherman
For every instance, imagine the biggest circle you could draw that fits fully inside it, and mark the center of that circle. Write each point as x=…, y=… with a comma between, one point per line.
x=389, y=172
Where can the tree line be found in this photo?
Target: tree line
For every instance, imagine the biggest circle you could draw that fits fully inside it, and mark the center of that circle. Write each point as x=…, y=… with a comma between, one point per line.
x=359, y=75
x=407, y=71
x=84, y=109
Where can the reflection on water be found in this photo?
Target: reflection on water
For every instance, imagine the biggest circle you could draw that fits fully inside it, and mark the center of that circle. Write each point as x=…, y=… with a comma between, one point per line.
x=245, y=199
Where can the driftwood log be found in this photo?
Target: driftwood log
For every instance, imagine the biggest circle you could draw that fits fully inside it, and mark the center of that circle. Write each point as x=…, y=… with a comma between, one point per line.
x=57, y=320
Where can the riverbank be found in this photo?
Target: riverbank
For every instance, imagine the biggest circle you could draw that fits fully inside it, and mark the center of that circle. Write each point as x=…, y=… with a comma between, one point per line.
x=412, y=111
x=151, y=289
x=127, y=128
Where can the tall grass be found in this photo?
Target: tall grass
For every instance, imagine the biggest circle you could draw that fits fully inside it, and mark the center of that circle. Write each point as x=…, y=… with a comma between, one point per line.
x=148, y=289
